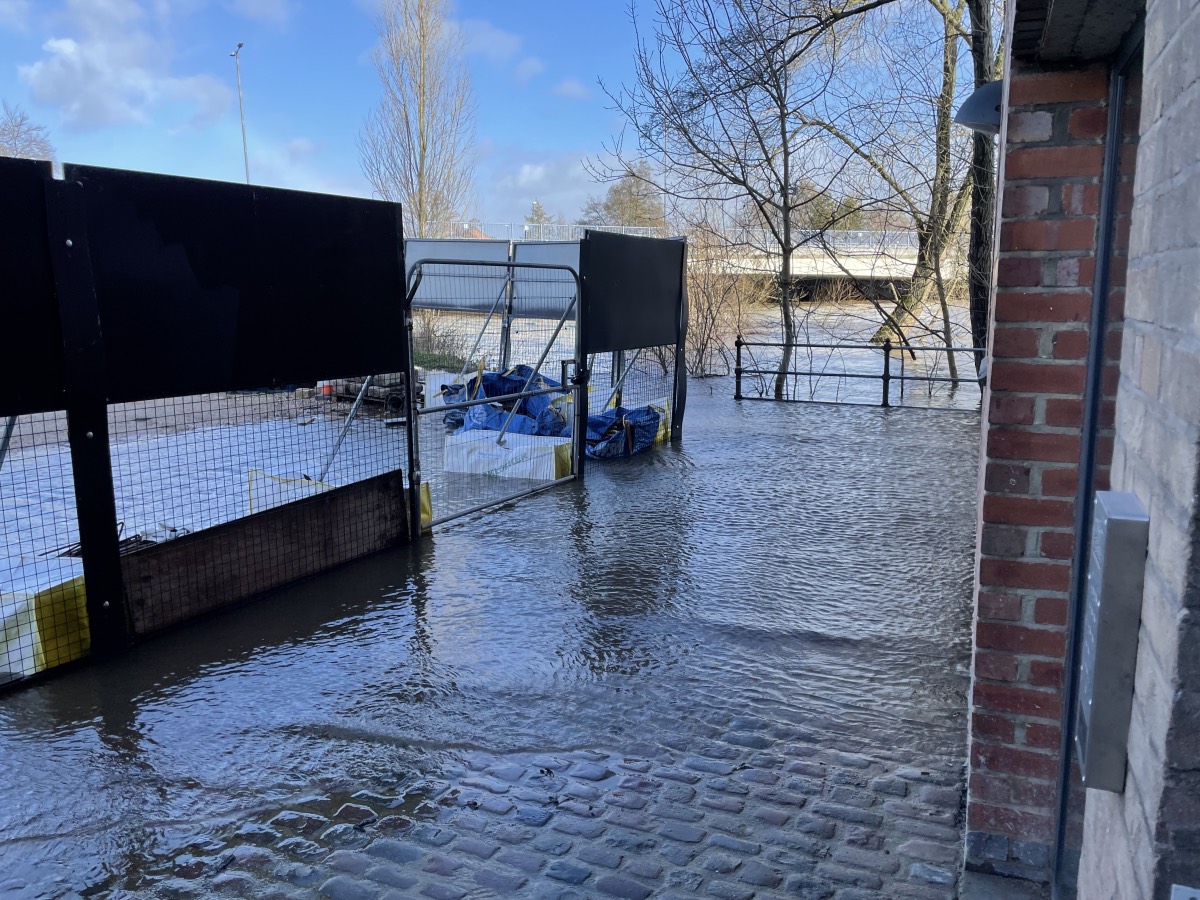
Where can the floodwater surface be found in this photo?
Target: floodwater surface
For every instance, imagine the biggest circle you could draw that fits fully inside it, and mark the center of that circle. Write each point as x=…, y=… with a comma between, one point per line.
x=807, y=565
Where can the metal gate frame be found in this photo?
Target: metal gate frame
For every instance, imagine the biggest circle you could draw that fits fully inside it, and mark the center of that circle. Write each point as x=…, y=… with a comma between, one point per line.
x=577, y=378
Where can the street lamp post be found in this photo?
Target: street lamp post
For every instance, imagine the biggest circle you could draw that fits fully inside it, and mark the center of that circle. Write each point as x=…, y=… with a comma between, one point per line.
x=237, y=62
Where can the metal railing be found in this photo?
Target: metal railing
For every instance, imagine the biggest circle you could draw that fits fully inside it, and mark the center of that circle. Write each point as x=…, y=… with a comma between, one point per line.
x=751, y=238
x=520, y=231
x=833, y=239
x=885, y=376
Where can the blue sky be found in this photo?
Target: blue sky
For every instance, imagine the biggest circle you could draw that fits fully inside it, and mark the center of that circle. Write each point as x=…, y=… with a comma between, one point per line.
x=150, y=85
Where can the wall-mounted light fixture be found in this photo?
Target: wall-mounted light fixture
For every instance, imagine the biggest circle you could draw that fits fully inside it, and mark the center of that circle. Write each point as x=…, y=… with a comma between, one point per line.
x=981, y=111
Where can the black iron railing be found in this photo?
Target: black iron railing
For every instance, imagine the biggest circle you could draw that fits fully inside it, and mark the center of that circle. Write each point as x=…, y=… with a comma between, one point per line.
x=888, y=352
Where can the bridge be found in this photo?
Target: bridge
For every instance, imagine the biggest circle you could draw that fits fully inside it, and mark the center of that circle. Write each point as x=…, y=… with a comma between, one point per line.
x=864, y=255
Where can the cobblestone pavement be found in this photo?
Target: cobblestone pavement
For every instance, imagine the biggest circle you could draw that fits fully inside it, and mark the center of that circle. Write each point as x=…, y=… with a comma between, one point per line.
x=736, y=668
x=751, y=811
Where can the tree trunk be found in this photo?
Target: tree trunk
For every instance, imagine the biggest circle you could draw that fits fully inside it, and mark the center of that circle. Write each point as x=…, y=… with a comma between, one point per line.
x=923, y=279
x=789, y=324
x=979, y=252
x=934, y=234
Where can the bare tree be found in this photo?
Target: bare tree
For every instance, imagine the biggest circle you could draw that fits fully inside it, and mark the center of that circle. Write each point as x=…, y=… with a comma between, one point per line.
x=416, y=145
x=986, y=64
x=721, y=299
x=915, y=46
x=716, y=97
x=20, y=136
x=800, y=112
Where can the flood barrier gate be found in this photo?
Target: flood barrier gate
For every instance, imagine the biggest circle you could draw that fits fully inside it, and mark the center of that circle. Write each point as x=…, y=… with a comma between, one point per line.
x=167, y=447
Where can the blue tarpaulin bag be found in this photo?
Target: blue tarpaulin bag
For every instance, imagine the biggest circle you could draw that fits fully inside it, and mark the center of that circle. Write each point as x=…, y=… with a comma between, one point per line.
x=492, y=416
x=621, y=432
x=500, y=384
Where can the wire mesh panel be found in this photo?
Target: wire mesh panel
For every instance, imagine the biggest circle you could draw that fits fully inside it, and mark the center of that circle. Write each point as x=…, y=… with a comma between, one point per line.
x=497, y=417
x=632, y=378
x=193, y=475
x=465, y=467
x=43, y=615
x=630, y=401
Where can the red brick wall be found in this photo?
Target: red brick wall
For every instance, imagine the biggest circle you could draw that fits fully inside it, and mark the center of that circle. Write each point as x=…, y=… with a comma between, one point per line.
x=1040, y=332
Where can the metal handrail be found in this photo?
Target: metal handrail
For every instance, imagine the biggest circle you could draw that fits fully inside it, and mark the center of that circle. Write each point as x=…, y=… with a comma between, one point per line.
x=867, y=346
x=885, y=377
x=760, y=238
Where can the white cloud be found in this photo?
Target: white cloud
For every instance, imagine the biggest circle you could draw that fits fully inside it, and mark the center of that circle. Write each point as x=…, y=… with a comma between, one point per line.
x=299, y=149
x=528, y=69
x=572, y=89
x=111, y=71
x=167, y=13
x=14, y=14
x=209, y=96
x=511, y=178
x=273, y=12
x=296, y=164
x=482, y=38
x=93, y=15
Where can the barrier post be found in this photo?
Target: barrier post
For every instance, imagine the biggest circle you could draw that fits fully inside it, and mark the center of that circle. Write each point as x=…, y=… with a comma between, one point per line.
x=887, y=373
x=85, y=377
x=737, y=370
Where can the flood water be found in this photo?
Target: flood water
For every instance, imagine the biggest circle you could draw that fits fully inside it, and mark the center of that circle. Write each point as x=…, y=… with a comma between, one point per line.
x=808, y=565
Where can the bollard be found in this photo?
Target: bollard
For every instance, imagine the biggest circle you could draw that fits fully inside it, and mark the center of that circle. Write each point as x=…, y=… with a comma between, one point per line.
x=887, y=373
x=737, y=370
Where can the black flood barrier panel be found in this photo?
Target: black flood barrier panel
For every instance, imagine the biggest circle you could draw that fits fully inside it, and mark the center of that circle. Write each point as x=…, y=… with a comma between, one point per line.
x=632, y=291
x=634, y=296
x=31, y=364
x=217, y=286
x=127, y=287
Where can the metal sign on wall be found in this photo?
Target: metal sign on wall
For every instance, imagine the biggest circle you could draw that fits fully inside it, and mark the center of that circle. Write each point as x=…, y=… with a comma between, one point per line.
x=1108, y=648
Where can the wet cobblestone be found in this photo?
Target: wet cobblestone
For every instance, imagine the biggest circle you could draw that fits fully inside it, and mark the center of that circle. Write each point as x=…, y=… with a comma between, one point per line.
x=626, y=836
x=700, y=674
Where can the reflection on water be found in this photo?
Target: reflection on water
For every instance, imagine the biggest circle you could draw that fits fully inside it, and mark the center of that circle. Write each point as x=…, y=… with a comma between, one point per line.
x=809, y=565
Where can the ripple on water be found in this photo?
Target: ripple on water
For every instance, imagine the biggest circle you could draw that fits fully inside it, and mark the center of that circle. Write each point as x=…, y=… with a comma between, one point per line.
x=809, y=565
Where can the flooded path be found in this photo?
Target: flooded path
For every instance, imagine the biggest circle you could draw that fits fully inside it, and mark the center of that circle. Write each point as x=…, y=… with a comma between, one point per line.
x=736, y=668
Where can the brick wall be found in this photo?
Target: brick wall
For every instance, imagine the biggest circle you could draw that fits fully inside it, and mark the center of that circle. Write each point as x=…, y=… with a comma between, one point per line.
x=1136, y=844
x=1053, y=157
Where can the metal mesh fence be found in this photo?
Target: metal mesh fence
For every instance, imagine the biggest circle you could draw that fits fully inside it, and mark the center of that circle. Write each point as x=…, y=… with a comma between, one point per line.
x=185, y=471
x=633, y=378
x=468, y=469
x=189, y=463
x=546, y=231
x=42, y=618
x=192, y=466
x=494, y=407
x=630, y=401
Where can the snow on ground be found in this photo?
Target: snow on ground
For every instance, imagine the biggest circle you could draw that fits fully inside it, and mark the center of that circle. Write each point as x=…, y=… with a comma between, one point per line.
x=167, y=485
